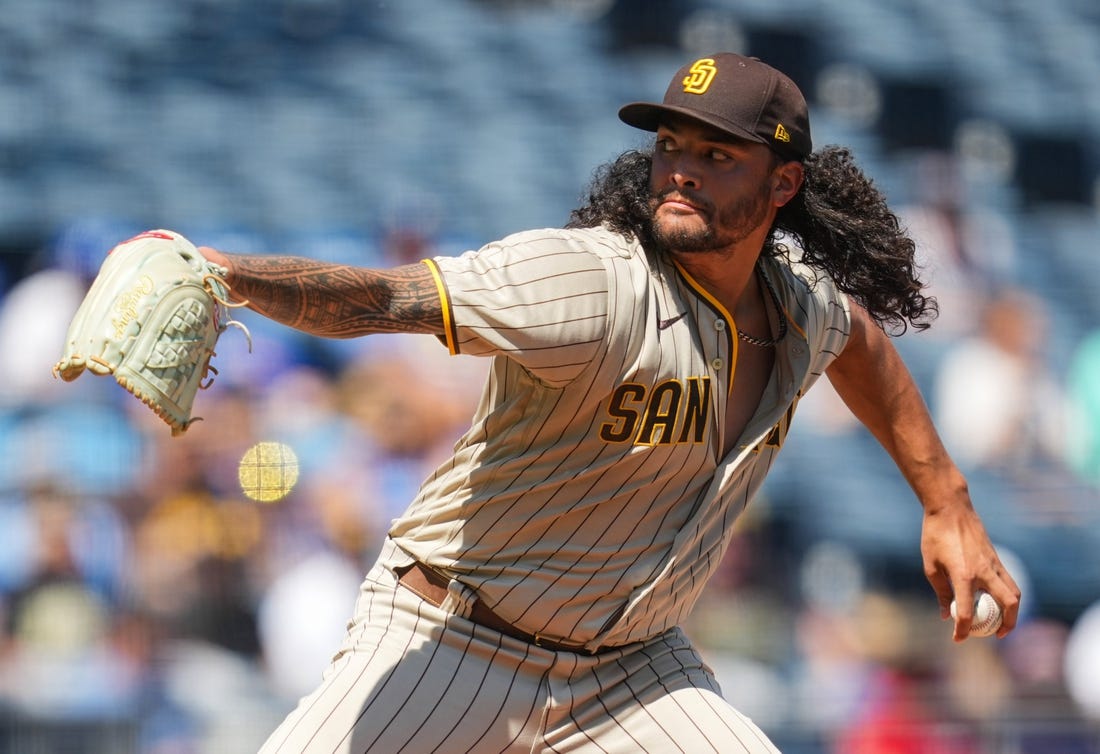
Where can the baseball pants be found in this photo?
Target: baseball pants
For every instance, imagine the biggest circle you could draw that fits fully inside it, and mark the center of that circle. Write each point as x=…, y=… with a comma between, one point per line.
x=412, y=677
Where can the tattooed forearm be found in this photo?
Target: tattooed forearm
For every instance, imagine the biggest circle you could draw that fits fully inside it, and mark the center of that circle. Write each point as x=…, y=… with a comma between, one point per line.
x=337, y=300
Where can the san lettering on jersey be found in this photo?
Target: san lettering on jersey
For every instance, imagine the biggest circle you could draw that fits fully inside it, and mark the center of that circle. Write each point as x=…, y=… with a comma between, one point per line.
x=778, y=434
x=671, y=412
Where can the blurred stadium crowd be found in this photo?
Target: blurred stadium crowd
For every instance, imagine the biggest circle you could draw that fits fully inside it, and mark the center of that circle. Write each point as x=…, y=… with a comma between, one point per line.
x=147, y=606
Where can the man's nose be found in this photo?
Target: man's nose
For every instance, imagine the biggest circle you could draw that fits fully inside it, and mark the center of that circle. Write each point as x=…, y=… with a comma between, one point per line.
x=684, y=174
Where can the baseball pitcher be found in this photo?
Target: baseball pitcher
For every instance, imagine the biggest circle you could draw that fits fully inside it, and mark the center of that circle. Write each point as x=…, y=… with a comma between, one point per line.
x=646, y=364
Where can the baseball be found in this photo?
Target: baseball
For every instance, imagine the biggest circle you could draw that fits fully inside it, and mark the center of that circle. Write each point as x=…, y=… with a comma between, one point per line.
x=268, y=471
x=987, y=615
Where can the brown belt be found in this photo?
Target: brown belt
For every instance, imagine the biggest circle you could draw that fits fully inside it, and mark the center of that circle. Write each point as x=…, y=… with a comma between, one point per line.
x=431, y=586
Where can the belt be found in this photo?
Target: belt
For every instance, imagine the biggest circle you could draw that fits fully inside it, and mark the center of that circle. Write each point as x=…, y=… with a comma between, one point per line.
x=431, y=586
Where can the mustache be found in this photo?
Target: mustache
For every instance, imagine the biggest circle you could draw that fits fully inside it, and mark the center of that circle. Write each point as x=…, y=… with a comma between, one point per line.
x=678, y=194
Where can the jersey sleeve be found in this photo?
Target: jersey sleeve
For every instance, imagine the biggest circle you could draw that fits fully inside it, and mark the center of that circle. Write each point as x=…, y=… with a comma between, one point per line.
x=540, y=298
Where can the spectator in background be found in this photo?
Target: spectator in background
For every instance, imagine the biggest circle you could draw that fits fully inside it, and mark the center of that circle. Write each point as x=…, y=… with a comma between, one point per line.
x=966, y=250
x=1083, y=447
x=35, y=332
x=65, y=648
x=903, y=656
x=998, y=404
x=1003, y=412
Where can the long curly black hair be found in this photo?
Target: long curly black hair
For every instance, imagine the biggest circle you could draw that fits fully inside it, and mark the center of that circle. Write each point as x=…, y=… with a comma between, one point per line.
x=839, y=218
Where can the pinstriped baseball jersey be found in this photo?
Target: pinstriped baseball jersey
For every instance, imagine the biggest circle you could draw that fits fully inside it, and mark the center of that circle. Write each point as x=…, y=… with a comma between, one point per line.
x=589, y=500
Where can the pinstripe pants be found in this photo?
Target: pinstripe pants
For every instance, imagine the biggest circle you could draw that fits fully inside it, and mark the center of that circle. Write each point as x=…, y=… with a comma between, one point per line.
x=414, y=678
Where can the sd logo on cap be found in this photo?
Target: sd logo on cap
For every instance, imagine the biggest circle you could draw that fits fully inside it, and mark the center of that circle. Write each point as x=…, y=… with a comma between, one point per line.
x=741, y=96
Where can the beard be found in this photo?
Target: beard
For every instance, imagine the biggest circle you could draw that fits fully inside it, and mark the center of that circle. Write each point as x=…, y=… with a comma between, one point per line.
x=724, y=228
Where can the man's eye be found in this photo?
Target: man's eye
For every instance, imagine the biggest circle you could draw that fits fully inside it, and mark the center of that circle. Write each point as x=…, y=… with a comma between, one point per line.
x=665, y=145
x=718, y=156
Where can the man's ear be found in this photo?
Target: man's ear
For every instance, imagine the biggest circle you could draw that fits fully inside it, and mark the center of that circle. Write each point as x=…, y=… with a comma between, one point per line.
x=786, y=181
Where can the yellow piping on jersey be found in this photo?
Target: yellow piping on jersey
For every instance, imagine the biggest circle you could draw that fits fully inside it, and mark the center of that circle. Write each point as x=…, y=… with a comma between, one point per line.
x=734, y=345
x=792, y=323
x=790, y=320
x=782, y=309
x=445, y=305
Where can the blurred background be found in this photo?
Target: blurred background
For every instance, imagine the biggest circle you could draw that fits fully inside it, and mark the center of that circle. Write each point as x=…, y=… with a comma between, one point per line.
x=148, y=606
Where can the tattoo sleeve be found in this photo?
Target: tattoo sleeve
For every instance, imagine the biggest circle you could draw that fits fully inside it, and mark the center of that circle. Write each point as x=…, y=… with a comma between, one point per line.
x=337, y=300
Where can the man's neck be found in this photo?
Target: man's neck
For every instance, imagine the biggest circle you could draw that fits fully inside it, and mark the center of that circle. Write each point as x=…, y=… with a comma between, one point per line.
x=727, y=275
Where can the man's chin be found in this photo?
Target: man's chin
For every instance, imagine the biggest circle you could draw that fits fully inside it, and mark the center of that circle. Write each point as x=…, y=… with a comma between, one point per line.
x=680, y=230
x=684, y=240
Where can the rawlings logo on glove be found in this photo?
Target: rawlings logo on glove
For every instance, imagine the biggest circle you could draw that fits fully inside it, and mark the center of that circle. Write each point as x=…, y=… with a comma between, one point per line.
x=151, y=318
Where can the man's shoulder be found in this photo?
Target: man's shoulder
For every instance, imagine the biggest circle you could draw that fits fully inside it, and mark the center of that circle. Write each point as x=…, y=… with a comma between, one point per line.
x=600, y=240
x=543, y=253
x=802, y=278
x=808, y=293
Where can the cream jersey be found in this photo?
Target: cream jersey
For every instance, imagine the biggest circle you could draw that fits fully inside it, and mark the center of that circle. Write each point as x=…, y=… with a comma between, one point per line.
x=589, y=501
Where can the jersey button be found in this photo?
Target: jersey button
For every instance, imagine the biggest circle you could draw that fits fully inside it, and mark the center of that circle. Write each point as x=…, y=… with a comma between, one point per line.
x=716, y=363
x=719, y=325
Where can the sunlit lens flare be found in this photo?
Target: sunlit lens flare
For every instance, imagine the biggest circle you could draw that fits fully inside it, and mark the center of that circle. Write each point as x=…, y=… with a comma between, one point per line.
x=268, y=471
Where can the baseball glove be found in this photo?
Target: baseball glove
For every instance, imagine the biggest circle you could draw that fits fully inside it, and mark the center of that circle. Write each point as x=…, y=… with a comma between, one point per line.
x=151, y=318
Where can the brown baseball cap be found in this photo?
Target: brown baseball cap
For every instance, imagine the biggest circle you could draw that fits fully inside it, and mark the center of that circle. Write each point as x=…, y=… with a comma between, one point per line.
x=741, y=96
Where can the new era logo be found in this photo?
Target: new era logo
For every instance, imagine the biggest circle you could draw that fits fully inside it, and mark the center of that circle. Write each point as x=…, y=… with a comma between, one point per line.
x=781, y=134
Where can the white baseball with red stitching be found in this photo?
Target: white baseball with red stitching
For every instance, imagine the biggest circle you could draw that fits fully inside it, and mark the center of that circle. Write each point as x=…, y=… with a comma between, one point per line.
x=987, y=615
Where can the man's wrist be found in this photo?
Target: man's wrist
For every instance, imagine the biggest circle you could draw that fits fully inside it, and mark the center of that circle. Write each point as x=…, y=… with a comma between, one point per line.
x=947, y=490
